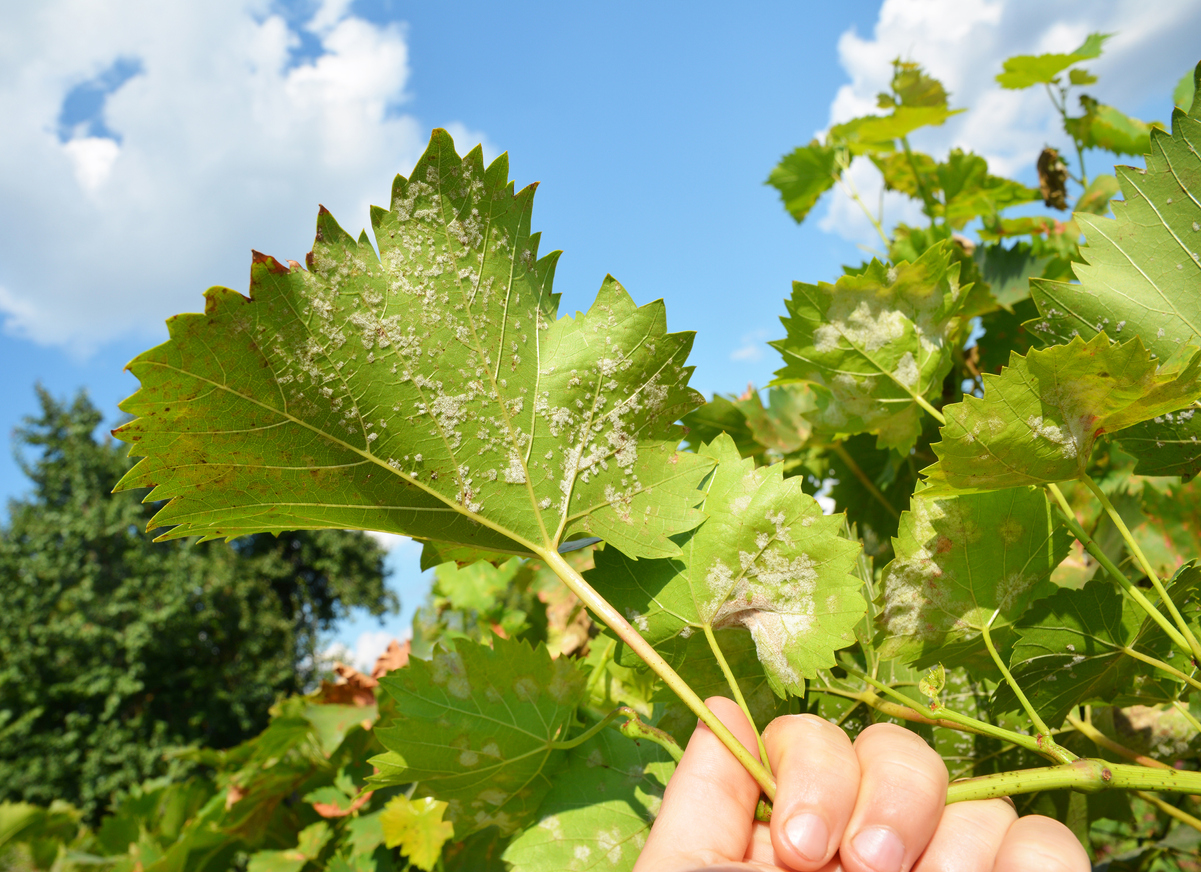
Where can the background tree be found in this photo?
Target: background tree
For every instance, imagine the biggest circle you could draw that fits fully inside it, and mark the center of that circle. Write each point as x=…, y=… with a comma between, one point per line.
x=115, y=648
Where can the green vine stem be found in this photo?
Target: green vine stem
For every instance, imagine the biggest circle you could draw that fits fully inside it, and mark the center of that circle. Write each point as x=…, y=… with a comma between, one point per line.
x=1145, y=564
x=1128, y=588
x=1166, y=667
x=1188, y=715
x=1083, y=775
x=1052, y=748
x=619, y=625
x=955, y=720
x=848, y=186
x=736, y=690
x=634, y=728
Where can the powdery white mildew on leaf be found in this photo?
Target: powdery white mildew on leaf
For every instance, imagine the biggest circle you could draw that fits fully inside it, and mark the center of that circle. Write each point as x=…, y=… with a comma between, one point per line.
x=872, y=343
x=600, y=810
x=766, y=559
x=1039, y=419
x=428, y=390
x=474, y=726
x=961, y=559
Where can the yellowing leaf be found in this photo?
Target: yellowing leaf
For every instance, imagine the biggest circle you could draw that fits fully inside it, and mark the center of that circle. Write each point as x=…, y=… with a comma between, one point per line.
x=1038, y=419
x=416, y=827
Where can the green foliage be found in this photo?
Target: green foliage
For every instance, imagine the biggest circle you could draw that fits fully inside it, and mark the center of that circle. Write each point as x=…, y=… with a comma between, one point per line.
x=1014, y=576
x=117, y=649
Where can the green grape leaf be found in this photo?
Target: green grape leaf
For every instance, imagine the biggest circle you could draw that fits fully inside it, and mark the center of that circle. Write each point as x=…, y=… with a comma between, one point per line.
x=475, y=726
x=722, y=415
x=780, y=426
x=1038, y=419
x=1005, y=334
x=477, y=585
x=766, y=559
x=914, y=86
x=1022, y=71
x=428, y=391
x=877, y=133
x=962, y=562
x=600, y=810
x=1095, y=198
x=874, y=509
x=960, y=188
x=1169, y=444
x=803, y=175
x=1103, y=126
x=310, y=842
x=1071, y=650
x=1182, y=94
x=1008, y=271
x=1142, y=267
x=694, y=661
x=416, y=827
x=873, y=343
x=902, y=172
x=365, y=833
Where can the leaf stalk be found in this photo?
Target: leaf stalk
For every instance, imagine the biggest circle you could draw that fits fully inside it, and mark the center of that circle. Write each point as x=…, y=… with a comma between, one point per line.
x=1083, y=775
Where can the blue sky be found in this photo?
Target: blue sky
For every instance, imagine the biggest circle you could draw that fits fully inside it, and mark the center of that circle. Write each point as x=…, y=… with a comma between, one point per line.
x=153, y=145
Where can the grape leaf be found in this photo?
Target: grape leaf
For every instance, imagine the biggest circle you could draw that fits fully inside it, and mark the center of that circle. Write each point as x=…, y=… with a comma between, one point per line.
x=803, y=175
x=877, y=133
x=416, y=827
x=475, y=725
x=961, y=559
x=1038, y=419
x=961, y=187
x=428, y=391
x=872, y=343
x=766, y=559
x=1022, y=71
x=1071, y=650
x=1096, y=196
x=599, y=812
x=722, y=415
x=1103, y=126
x=310, y=842
x=1008, y=270
x=1169, y=444
x=1141, y=269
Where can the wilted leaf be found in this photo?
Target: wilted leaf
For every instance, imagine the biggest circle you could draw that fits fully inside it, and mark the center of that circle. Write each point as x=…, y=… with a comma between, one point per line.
x=600, y=810
x=475, y=727
x=1052, y=179
x=416, y=827
x=428, y=391
x=1038, y=419
x=871, y=344
x=766, y=559
x=962, y=562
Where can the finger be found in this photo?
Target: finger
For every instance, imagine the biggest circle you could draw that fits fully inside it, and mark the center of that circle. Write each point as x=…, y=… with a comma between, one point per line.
x=817, y=779
x=902, y=793
x=968, y=837
x=1037, y=842
x=709, y=803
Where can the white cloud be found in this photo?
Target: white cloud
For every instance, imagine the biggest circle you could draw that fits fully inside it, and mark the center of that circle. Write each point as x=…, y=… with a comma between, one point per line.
x=389, y=541
x=963, y=42
x=219, y=143
x=752, y=348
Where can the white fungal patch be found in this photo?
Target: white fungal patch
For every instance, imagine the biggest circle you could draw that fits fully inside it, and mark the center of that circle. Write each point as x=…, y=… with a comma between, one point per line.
x=907, y=373
x=467, y=759
x=1056, y=434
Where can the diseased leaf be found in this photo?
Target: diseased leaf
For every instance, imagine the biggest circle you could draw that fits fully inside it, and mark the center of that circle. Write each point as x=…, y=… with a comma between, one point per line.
x=960, y=561
x=780, y=426
x=474, y=727
x=1022, y=71
x=1169, y=444
x=871, y=344
x=722, y=415
x=416, y=827
x=428, y=391
x=1038, y=419
x=766, y=559
x=599, y=812
x=1071, y=651
x=1141, y=269
x=803, y=175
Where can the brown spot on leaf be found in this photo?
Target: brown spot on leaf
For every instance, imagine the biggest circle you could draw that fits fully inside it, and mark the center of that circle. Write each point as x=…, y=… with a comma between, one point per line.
x=267, y=260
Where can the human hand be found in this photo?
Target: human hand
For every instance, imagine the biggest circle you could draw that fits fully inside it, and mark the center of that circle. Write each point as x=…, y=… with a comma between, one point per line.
x=877, y=805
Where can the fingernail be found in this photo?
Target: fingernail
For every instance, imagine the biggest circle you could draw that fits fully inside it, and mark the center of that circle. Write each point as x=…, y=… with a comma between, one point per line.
x=808, y=835
x=880, y=848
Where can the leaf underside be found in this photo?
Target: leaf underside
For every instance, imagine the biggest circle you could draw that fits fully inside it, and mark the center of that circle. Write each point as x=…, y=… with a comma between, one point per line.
x=427, y=391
